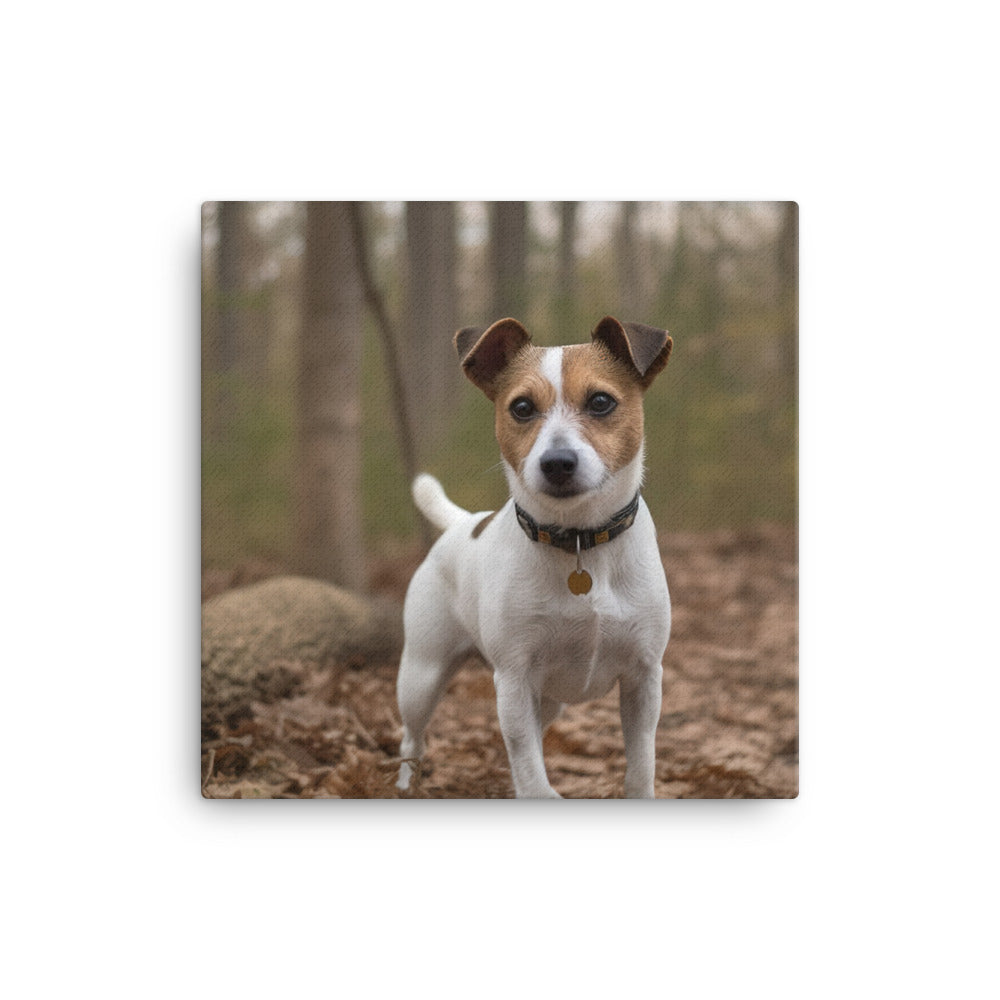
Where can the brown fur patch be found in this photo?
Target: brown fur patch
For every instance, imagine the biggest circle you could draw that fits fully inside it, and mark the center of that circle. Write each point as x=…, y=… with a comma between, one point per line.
x=482, y=525
x=587, y=368
x=522, y=377
x=590, y=368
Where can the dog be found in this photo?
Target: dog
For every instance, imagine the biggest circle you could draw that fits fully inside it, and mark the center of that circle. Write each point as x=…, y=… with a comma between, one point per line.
x=562, y=590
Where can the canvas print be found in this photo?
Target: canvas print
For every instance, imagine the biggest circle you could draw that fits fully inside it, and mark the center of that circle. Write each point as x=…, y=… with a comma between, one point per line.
x=499, y=500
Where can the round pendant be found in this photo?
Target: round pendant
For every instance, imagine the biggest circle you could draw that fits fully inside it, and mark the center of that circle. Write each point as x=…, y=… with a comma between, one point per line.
x=579, y=582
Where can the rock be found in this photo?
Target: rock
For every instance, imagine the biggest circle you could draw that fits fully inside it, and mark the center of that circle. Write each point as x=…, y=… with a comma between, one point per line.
x=250, y=637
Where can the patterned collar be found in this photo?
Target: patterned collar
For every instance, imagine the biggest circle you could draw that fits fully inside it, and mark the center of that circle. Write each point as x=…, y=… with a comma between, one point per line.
x=566, y=538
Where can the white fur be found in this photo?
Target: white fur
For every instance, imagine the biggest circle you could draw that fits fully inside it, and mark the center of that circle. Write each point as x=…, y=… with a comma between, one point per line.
x=433, y=502
x=506, y=597
x=551, y=369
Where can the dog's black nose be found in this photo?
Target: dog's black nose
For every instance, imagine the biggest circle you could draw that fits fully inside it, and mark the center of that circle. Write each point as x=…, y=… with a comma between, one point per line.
x=558, y=465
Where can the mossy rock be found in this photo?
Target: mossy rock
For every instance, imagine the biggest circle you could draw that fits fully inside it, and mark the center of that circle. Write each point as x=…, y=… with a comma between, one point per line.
x=250, y=636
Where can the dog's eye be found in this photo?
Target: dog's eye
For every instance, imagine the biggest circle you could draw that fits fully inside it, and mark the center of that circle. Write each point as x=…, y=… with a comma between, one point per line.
x=601, y=404
x=522, y=408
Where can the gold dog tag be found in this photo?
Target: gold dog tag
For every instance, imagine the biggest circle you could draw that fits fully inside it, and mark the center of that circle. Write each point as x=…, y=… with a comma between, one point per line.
x=579, y=580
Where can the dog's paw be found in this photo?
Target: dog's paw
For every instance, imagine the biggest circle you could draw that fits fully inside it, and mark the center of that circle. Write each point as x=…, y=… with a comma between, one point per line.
x=408, y=782
x=406, y=773
x=539, y=793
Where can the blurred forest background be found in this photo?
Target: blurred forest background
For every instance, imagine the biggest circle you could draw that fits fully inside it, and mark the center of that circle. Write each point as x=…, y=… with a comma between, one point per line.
x=329, y=375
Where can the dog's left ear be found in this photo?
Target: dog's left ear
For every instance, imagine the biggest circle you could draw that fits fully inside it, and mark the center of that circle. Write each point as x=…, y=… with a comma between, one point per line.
x=644, y=348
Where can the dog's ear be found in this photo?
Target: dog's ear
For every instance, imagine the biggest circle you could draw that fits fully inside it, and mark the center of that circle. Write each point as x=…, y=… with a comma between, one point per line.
x=485, y=353
x=644, y=348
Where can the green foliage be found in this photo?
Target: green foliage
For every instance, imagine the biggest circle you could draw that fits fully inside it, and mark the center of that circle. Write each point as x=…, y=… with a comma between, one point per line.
x=718, y=453
x=247, y=465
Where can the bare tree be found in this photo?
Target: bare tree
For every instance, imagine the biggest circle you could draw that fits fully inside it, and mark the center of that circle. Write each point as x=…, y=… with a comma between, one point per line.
x=628, y=261
x=230, y=251
x=788, y=269
x=228, y=292
x=242, y=321
x=565, y=317
x=508, y=258
x=328, y=515
x=432, y=374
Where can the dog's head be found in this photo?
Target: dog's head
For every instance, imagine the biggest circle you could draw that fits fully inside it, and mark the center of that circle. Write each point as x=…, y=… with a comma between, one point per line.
x=568, y=419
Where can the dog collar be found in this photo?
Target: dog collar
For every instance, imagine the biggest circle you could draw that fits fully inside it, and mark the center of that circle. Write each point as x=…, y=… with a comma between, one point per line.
x=574, y=539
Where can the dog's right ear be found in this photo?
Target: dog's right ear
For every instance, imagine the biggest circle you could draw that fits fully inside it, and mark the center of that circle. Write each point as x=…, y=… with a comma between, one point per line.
x=485, y=353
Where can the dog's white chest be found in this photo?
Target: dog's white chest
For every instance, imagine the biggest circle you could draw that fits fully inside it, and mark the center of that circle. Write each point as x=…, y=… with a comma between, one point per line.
x=575, y=647
x=580, y=655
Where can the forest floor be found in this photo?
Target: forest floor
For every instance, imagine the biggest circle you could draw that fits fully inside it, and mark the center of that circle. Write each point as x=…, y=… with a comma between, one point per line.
x=728, y=729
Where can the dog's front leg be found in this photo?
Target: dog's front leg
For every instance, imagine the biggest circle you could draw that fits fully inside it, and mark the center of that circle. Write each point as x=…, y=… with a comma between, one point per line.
x=518, y=709
x=641, y=697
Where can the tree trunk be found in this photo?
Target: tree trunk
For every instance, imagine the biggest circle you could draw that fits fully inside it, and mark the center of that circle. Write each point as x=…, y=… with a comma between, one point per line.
x=566, y=311
x=788, y=269
x=391, y=350
x=228, y=291
x=328, y=515
x=508, y=259
x=628, y=263
x=242, y=318
x=432, y=370
x=230, y=250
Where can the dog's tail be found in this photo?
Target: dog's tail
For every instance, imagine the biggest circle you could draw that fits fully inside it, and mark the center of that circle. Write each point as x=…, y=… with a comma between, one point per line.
x=430, y=498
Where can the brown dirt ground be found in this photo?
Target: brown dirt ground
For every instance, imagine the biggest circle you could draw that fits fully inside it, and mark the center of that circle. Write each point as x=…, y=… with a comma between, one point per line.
x=728, y=729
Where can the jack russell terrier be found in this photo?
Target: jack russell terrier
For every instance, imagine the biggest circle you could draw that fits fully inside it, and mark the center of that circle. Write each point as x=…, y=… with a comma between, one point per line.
x=562, y=590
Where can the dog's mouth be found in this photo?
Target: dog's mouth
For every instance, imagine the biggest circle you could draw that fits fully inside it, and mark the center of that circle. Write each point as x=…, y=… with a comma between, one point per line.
x=562, y=490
